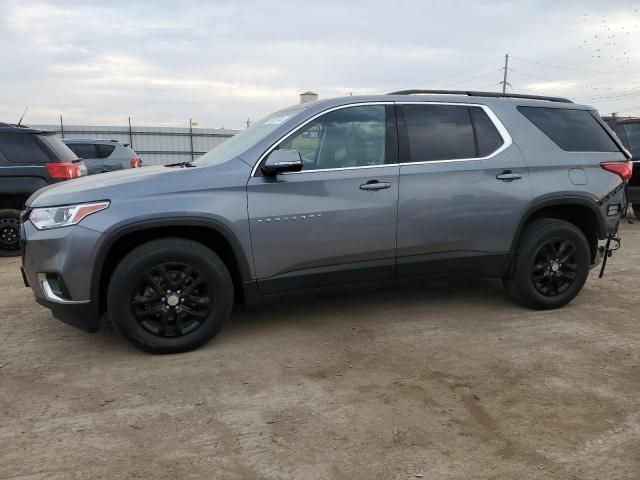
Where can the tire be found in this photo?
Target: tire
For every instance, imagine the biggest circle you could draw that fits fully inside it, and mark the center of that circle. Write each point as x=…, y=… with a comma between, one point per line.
x=170, y=295
x=10, y=233
x=636, y=210
x=536, y=279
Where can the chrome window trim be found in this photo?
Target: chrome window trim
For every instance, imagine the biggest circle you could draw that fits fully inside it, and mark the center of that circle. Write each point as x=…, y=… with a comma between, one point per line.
x=502, y=130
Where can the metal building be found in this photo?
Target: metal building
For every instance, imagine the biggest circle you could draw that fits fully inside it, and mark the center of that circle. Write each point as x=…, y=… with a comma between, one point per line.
x=155, y=145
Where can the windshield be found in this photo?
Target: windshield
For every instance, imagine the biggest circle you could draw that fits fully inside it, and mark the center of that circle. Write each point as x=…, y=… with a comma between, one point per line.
x=246, y=139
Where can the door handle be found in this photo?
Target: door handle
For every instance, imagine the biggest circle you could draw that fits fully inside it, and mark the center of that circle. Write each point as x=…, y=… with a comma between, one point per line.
x=375, y=185
x=508, y=176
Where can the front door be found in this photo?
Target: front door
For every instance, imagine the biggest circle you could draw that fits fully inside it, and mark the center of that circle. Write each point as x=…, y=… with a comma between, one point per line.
x=463, y=190
x=335, y=221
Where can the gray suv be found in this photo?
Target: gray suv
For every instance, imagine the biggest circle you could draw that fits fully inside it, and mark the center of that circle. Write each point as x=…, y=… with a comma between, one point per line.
x=337, y=191
x=102, y=156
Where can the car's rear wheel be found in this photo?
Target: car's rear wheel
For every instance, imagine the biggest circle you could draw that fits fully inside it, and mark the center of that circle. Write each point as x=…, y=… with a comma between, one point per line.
x=636, y=209
x=170, y=295
x=551, y=265
x=9, y=232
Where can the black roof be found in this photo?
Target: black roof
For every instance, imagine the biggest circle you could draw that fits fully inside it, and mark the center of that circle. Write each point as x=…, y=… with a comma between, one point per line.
x=482, y=94
x=12, y=128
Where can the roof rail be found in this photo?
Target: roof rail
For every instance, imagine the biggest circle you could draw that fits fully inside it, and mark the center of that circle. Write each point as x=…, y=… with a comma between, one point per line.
x=482, y=94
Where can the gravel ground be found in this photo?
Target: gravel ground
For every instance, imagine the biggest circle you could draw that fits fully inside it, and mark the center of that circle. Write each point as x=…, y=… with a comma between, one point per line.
x=443, y=379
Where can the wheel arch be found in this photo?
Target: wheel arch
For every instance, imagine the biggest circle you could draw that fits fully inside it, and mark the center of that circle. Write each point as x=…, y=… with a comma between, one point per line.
x=210, y=233
x=583, y=212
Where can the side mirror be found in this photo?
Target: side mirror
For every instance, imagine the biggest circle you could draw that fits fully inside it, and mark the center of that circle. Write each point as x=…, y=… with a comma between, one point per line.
x=280, y=161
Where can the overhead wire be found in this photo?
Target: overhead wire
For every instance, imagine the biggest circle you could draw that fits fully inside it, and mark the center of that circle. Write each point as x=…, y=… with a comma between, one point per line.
x=558, y=67
x=472, y=78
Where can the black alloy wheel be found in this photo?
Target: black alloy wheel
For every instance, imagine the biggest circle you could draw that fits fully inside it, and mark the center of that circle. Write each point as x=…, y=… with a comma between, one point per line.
x=170, y=295
x=551, y=264
x=172, y=300
x=554, y=267
x=9, y=232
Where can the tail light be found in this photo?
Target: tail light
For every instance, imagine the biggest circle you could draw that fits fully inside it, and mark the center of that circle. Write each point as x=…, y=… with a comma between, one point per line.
x=63, y=170
x=622, y=169
x=134, y=162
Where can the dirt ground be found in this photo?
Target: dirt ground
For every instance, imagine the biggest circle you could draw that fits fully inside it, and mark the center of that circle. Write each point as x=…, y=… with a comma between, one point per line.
x=428, y=379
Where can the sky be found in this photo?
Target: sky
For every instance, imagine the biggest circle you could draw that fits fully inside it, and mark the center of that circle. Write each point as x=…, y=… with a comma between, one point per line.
x=223, y=62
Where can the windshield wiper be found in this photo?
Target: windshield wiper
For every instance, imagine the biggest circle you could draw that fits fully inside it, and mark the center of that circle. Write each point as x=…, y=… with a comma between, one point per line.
x=182, y=165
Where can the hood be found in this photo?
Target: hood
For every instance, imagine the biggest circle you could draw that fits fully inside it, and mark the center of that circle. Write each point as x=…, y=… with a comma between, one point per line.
x=141, y=182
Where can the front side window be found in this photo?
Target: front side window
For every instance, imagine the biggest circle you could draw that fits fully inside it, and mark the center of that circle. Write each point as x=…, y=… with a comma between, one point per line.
x=439, y=132
x=348, y=137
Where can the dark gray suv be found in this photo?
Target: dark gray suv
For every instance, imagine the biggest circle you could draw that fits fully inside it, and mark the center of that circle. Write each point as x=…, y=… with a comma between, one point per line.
x=337, y=191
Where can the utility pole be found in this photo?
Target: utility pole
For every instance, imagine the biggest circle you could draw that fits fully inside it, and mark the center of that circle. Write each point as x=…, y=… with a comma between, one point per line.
x=506, y=69
x=191, y=136
x=61, y=127
x=130, y=135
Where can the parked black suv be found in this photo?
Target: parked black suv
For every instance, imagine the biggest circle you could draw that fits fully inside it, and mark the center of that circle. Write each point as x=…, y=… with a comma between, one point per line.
x=29, y=160
x=628, y=130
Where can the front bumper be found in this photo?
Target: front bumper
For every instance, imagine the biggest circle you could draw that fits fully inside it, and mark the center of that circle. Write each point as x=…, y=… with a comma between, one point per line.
x=84, y=316
x=57, y=265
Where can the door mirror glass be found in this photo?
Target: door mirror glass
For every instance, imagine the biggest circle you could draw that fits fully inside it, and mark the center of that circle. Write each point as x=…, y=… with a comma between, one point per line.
x=280, y=161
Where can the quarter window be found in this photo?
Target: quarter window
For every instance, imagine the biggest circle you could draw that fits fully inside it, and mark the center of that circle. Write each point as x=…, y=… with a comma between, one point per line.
x=21, y=148
x=105, y=150
x=572, y=130
x=439, y=132
x=348, y=137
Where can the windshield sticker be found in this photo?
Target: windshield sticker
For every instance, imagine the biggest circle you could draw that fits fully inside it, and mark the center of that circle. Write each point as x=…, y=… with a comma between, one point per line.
x=276, y=120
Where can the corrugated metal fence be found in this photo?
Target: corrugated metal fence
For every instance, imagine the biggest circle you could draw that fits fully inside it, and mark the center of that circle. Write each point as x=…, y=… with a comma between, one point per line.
x=155, y=145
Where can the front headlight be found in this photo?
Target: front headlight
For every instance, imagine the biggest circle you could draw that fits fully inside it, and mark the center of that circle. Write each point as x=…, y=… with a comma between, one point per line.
x=54, y=217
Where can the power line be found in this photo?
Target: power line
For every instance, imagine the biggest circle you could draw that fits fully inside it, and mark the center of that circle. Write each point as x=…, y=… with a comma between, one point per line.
x=490, y=85
x=472, y=78
x=462, y=72
x=558, y=67
x=573, y=85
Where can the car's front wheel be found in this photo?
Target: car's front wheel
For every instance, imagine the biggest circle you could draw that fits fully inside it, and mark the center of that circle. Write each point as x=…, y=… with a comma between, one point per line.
x=170, y=295
x=551, y=265
x=9, y=232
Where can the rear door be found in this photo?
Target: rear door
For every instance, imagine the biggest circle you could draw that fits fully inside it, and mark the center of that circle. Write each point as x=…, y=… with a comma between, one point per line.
x=89, y=153
x=113, y=157
x=335, y=221
x=463, y=189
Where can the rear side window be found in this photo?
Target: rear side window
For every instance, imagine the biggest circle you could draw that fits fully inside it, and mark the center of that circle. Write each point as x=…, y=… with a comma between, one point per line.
x=571, y=130
x=439, y=132
x=22, y=148
x=83, y=150
x=58, y=147
x=105, y=150
x=487, y=136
